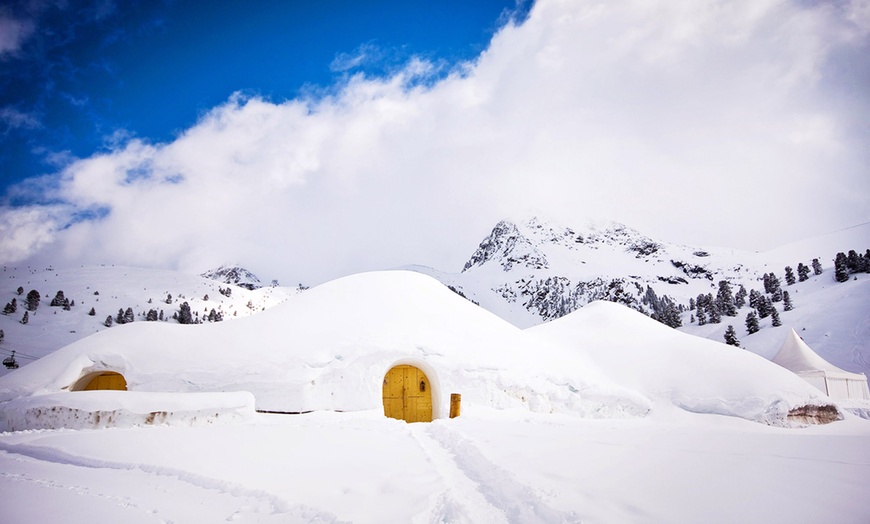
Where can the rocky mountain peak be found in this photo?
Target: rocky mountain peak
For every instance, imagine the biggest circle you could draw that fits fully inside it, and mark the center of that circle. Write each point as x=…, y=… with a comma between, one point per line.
x=233, y=274
x=509, y=247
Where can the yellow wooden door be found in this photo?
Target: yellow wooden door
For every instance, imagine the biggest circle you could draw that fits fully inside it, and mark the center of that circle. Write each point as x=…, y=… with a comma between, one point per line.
x=108, y=380
x=407, y=394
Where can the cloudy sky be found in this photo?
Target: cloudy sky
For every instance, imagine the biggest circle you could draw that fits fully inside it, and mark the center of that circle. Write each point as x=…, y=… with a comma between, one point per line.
x=307, y=140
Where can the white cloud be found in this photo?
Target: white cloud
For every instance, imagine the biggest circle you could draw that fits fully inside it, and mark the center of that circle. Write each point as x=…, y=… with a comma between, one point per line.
x=699, y=122
x=13, y=119
x=13, y=33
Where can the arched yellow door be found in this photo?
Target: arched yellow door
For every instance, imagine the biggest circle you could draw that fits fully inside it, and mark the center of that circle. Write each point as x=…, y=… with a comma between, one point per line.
x=107, y=380
x=407, y=395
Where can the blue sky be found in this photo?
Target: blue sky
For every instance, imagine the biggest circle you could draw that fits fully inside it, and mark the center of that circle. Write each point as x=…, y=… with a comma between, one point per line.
x=310, y=140
x=88, y=71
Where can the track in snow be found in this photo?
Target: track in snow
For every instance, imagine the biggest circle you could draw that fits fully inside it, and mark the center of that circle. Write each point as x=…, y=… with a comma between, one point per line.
x=478, y=490
x=81, y=487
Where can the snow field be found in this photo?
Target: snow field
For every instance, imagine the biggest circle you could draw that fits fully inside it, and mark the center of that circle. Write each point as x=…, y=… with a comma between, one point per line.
x=485, y=466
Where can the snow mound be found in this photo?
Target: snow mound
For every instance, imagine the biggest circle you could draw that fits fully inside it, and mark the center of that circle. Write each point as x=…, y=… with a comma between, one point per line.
x=330, y=348
x=692, y=373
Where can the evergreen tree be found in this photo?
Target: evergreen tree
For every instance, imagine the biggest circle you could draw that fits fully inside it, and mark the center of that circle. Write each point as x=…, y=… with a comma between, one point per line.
x=774, y=318
x=715, y=312
x=775, y=288
x=670, y=313
x=853, y=261
x=787, y=304
x=11, y=307
x=151, y=316
x=66, y=304
x=753, y=299
x=776, y=296
x=817, y=267
x=92, y=312
x=31, y=302
x=2, y=336
x=841, y=269
x=803, y=272
x=752, y=323
x=740, y=297
x=764, y=307
x=725, y=299
x=20, y=291
x=108, y=322
x=184, y=314
x=702, y=319
x=766, y=281
x=129, y=316
x=160, y=317
x=731, y=336
x=119, y=318
x=26, y=318
x=168, y=299
x=789, y=276
x=58, y=299
x=691, y=304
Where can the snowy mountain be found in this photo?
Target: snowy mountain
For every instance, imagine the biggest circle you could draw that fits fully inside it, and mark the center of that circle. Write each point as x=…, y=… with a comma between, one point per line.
x=536, y=270
x=106, y=290
x=533, y=271
x=232, y=274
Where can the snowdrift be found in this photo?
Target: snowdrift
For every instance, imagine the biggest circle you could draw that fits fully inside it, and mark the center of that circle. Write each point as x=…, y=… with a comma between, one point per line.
x=109, y=409
x=329, y=349
x=692, y=373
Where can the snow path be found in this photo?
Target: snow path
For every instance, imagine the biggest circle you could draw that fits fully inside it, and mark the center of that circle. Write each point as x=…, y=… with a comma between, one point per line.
x=239, y=503
x=517, y=501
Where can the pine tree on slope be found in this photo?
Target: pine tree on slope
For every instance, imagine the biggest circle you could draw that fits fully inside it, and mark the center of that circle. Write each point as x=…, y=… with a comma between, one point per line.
x=803, y=272
x=774, y=318
x=731, y=336
x=752, y=323
x=787, y=304
x=789, y=276
x=841, y=268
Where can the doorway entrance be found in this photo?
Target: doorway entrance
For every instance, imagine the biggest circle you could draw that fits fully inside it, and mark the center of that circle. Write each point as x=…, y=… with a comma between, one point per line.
x=407, y=394
x=104, y=380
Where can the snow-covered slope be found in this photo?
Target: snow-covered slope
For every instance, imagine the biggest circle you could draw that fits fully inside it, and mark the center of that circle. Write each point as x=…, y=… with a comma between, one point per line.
x=692, y=373
x=107, y=289
x=536, y=270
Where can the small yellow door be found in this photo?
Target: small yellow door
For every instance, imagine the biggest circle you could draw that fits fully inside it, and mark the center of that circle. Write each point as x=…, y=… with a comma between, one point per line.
x=107, y=380
x=407, y=395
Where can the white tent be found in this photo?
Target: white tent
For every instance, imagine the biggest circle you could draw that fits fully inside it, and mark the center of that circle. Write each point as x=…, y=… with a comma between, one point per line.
x=796, y=356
